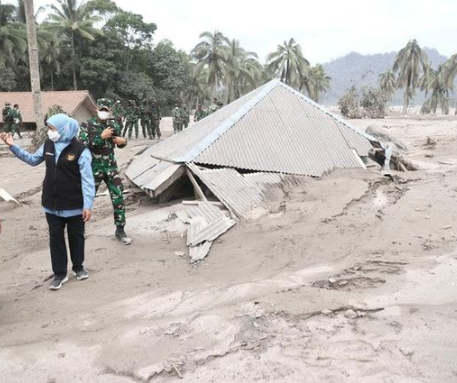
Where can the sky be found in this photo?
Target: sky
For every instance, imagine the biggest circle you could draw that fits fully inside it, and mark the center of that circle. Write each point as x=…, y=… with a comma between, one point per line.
x=325, y=29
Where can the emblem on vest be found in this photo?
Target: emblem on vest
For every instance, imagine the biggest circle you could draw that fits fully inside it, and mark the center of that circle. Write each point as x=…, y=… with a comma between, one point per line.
x=70, y=157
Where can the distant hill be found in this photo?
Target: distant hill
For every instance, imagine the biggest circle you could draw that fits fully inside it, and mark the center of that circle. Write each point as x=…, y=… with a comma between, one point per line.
x=361, y=70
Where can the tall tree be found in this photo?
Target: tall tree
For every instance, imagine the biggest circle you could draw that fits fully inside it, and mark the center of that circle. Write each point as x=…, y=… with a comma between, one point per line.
x=410, y=63
x=50, y=54
x=34, y=65
x=450, y=73
x=439, y=92
x=212, y=54
x=12, y=36
x=388, y=82
x=242, y=71
x=289, y=63
x=73, y=19
x=316, y=82
x=133, y=31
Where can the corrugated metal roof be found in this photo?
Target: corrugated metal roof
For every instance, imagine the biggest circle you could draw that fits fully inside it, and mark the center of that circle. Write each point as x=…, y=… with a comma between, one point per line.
x=204, y=208
x=153, y=175
x=284, y=133
x=197, y=253
x=274, y=129
x=213, y=230
x=238, y=193
x=190, y=142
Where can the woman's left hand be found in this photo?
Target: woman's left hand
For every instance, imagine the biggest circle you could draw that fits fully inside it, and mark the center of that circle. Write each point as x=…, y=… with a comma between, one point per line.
x=87, y=213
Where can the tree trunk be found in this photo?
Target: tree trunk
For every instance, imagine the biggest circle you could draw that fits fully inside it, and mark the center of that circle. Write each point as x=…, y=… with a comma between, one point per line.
x=73, y=63
x=40, y=135
x=405, y=101
x=52, y=78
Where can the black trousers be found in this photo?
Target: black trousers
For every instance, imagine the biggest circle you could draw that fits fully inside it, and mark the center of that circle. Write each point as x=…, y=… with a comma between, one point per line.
x=75, y=230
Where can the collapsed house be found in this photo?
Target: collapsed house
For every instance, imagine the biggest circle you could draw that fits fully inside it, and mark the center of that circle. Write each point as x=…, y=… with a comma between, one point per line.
x=232, y=156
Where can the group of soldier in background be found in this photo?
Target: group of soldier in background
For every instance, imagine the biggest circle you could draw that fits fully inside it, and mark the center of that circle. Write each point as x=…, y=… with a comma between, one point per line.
x=201, y=113
x=147, y=113
x=129, y=115
x=12, y=119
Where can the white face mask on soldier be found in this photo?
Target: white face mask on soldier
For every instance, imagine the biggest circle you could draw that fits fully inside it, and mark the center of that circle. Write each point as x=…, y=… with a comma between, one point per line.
x=103, y=115
x=53, y=135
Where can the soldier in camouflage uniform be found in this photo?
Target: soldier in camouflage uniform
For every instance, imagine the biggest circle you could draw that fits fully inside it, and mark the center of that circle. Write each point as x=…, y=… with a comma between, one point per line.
x=146, y=120
x=156, y=117
x=131, y=119
x=101, y=135
x=118, y=112
x=176, y=116
x=199, y=114
x=7, y=118
x=17, y=121
x=185, y=116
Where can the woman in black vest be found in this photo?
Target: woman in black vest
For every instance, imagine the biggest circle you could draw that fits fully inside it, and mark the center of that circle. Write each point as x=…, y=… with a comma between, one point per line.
x=68, y=192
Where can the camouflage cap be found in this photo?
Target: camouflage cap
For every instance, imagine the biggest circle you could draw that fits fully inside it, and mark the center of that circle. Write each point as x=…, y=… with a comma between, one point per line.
x=7, y=103
x=105, y=103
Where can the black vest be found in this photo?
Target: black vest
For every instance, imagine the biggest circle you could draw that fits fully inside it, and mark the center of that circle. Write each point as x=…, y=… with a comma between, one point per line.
x=62, y=184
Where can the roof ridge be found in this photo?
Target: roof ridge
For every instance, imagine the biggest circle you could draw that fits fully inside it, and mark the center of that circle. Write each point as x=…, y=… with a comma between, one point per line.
x=220, y=130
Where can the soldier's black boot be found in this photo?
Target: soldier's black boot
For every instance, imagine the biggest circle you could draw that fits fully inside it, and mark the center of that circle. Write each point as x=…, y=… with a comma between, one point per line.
x=121, y=236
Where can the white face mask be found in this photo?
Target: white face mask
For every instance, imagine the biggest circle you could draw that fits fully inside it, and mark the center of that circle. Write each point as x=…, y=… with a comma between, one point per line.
x=53, y=135
x=103, y=115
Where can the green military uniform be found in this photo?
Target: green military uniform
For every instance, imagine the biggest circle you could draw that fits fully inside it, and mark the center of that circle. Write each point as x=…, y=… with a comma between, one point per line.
x=118, y=112
x=156, y=116
x=17, y=121
x=199, y=114
x=131, y=119
x=146, y=120
x=185, y=117
x=104, y=165
x=177, y=122
x=7, y=118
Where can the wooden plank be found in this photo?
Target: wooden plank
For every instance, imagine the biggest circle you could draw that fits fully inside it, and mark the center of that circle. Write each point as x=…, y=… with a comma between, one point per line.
x=196, y=185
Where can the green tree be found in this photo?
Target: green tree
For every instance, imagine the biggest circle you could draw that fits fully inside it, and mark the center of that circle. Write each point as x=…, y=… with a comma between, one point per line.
x=388, y=83
x=170, y=71
x=133, y=31
x=212, y=54
x=197, y=90
x=316, y=82
x=450, y=73
x=439, y=97
x=289, y=63
x=410, y=63
x=7, y=80
x=49, y=56
x=73, y=20
x=12, y=36
x=242, y=71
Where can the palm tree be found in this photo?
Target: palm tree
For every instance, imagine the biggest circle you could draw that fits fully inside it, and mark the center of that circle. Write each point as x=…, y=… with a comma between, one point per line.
x=73, y=19
x=212, y=54
x=410, y=62
x=388, y=82
x=12, y=36
x=34, y=73
x=50, y=55
x=440, y=92
x=450, y=73
x=197, y=90
x=316, y=82
x=242, y=71
x=288, y=61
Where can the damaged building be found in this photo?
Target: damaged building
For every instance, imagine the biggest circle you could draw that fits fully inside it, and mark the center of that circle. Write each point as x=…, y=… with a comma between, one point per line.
x=232, y=156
